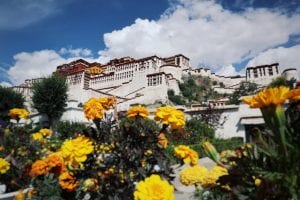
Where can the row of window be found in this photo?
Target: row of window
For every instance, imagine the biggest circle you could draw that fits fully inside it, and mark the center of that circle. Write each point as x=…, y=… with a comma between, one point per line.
x=74, y=79
x=124, y=75
x=102, y=79
x=259, y=72
x=154, y=80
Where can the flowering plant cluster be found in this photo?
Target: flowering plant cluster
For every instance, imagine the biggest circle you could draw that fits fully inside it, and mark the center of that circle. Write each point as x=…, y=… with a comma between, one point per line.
x=114, y=159
x=17, y=151
x=268, y=168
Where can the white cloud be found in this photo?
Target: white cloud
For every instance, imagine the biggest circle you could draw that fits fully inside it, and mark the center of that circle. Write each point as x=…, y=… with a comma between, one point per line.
x=41, y=63
x=228, y=70
x=33, y=65
x=79, y=52
x=205, y=32
x=202, y=30
x=286, y=57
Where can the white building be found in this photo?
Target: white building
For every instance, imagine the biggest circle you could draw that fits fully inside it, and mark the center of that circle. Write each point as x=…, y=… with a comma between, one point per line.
x=145, y=81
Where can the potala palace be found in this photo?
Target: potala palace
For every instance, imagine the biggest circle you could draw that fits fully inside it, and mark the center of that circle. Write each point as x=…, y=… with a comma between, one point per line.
x=147, y=80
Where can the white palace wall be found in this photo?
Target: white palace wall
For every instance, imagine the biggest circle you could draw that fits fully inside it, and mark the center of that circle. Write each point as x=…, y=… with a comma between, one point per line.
x=147, y=81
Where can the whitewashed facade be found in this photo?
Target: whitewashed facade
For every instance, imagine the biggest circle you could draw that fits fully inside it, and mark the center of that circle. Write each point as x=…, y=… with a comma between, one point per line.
x=147, y=81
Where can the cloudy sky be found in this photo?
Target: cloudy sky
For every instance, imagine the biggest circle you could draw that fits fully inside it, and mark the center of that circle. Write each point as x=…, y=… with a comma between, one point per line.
x=223, y=35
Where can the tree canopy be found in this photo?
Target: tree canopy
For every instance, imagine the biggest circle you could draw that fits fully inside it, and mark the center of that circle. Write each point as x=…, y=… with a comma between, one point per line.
x=50, y=96
x=246, y=88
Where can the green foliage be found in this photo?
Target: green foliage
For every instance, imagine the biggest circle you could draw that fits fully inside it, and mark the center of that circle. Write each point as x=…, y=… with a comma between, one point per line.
x=198, y=131
x=9, y=99
x=246, y=88
x=198, y=89
x=20, y=152
x=211, y=117
x=273, y=159
x=48, y=188
x=176, y=99
x=50, y=96
x=67, y=129
x=281, y=81
x=133, y=157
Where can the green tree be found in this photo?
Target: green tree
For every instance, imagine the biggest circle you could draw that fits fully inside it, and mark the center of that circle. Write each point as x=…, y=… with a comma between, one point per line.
x=198, y=131
x=281, y=81
x=9, y=99
x=246, y=88
x=176, y=99
x=67, y=129
x=196, y=89
x=50, y=97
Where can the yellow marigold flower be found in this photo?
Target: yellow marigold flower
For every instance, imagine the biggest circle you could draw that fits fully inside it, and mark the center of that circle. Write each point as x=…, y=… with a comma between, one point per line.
x=20, y=195
x=154, y=188
x=37, y=136
x=45, y=132
x=169, y=115
x=39, y=167
x=294, y=95
x=18, y=113
x=257, y=181
x=4, y=166
x=1, y=148
x=107, y=102
x=268, y=97
x=188, y=155
x=193, y=175
x=225, y=154
x=90, y=184
x=137, y=111
x=162, y=140
x=67, y=182
x=213, y=176
x=93, y=109
x=75, y=151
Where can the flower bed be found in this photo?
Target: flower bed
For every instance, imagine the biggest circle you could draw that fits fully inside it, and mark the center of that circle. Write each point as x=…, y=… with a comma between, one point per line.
x=127, y=159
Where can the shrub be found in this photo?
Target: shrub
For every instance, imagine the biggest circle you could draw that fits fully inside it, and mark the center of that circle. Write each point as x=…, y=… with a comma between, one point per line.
x=9, y=99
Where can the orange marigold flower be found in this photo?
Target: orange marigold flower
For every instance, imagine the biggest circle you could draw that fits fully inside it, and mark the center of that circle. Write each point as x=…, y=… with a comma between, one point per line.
x=137, y=111
x=162, y=140
x=169, y=115
x=39, y=167
x=188, y=155
x=294, y=95
x=56, y=164
x=93, y=109
x=107, y=102
x=268, y=97
x=67, y=182
x=18, y=113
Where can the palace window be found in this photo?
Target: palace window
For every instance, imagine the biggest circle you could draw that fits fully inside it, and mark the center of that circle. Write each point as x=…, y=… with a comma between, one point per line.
x=255, y=73
x=260, y=72
x=270, y=71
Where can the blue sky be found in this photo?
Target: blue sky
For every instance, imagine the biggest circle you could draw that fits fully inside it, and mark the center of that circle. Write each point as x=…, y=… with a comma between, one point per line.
x=224, y=35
